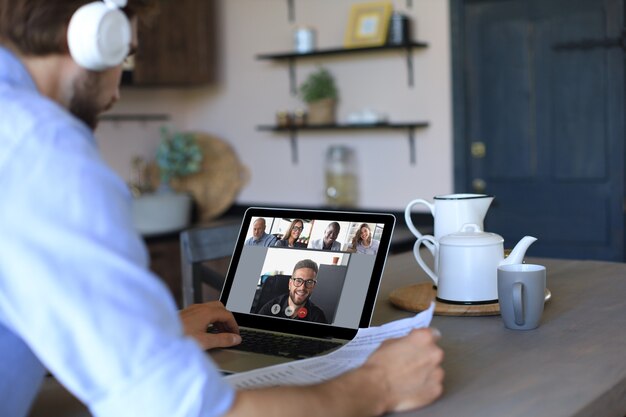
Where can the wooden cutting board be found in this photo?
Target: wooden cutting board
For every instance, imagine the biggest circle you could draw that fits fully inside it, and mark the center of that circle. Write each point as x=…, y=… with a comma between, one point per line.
x=417, y=297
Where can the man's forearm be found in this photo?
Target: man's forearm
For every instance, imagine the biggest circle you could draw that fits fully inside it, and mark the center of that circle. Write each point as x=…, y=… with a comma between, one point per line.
x=357, y=393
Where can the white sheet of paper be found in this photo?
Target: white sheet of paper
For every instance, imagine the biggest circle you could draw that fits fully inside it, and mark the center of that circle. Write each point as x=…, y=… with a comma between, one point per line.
x=321, y=368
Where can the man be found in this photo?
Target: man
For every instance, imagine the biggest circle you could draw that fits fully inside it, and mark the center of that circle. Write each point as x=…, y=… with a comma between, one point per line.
x=296, y=303
x=76, y=292
x=77, y=297
x=329, y=241
x=259, y=237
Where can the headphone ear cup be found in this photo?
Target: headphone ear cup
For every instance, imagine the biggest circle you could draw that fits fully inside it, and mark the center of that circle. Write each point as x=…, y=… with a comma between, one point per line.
x=99, y=36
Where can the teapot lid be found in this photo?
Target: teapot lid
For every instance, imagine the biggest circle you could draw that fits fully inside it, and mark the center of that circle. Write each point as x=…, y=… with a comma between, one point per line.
x=471, y=235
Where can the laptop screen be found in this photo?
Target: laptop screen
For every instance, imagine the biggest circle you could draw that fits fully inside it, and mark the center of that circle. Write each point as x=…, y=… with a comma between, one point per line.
x=307, y=272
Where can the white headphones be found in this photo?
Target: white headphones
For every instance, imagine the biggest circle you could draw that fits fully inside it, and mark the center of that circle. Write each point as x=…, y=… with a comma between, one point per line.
x=99, y=35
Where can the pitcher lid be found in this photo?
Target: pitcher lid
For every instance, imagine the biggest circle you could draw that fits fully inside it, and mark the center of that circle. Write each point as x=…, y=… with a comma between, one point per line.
x=471, y=235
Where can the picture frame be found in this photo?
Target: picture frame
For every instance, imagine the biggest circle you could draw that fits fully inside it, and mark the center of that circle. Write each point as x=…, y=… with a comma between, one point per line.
x=368, y=24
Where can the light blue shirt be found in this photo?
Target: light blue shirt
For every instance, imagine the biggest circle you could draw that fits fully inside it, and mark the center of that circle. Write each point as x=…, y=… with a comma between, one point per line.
x=76, y=296
x=265, y=240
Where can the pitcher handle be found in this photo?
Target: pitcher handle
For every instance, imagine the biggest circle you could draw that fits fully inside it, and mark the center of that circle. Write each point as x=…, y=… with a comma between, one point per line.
x=428, y=241
x=409, y=221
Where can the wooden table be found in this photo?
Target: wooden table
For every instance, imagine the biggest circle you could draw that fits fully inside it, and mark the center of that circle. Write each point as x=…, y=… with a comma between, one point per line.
x=574, y=364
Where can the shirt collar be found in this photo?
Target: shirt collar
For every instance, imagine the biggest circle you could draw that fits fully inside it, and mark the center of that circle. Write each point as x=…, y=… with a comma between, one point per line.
x=13, y=71
x=14, y=74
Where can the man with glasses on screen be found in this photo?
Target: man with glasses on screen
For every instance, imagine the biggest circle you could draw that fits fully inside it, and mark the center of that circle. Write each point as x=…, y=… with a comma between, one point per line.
x=296, y=303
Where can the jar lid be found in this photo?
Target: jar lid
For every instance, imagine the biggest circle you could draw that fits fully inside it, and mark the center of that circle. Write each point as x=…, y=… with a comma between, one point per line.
x=471, y=235
x=339, y=152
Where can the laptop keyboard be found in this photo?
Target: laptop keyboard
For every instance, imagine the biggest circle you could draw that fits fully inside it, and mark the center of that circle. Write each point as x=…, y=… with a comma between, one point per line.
x=282, y=345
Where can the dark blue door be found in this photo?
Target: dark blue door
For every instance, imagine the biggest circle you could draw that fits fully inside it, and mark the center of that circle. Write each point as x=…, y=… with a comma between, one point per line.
x=540, y=88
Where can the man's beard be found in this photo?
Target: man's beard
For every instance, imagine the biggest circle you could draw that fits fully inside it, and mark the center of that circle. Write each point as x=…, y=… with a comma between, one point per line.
x=83, y=104
x=292, y=296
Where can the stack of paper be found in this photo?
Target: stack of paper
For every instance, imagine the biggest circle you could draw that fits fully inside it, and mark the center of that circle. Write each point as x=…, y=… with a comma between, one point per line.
x=321, y=368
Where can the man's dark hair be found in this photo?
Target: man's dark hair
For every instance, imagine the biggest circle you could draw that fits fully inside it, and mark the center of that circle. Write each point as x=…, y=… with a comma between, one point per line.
x=336, y=226
x=39, y=27
x=305, y=263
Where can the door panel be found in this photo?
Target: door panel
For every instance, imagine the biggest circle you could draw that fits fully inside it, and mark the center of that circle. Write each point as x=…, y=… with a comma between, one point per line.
x=573, y=107
x=551, y=121
x=505, y=82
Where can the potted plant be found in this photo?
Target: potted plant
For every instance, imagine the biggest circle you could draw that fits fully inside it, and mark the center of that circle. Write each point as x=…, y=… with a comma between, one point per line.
x=178, y=155
x=167, y=210
x=320, y=93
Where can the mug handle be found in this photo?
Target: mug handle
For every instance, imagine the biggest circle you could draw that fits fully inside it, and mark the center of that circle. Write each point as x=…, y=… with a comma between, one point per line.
x=518, y=303
x=428, y=241
x=409, y=221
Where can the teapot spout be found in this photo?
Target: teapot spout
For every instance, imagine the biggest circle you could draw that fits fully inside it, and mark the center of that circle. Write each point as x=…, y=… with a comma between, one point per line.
x=517, y=254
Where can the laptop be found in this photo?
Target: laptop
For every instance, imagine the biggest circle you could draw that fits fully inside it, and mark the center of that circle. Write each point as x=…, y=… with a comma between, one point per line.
x=298, y=284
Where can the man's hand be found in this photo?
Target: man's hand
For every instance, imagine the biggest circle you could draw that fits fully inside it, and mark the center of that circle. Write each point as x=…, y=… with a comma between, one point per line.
x=411, y=369
x=403, y=374
x=197, y=318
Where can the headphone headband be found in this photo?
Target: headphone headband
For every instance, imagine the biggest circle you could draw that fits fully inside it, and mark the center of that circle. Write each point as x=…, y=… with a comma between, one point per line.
x=117, y=4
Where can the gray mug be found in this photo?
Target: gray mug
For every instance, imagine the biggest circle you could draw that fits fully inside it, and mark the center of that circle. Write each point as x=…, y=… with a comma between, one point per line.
x=521, y=294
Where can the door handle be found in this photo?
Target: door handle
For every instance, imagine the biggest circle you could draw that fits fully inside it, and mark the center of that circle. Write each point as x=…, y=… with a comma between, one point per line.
x=479, y=185
x=478, y=149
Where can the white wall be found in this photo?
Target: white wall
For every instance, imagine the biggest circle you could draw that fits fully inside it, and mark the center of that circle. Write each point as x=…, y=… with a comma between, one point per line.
x=250, y=92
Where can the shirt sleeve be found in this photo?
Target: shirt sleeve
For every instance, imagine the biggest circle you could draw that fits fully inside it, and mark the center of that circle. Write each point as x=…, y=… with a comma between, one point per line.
x=76, y=287
x=272, y=240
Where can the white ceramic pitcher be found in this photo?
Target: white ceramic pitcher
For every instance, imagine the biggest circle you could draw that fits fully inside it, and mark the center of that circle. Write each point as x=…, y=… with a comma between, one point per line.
x=451, y=212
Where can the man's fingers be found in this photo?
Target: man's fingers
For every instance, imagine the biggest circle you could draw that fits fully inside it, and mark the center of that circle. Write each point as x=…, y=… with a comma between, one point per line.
x=224, y=320
x=197, y=317
x=436, y=333
x=224, y=317
x=219, y=340
x=412, y=368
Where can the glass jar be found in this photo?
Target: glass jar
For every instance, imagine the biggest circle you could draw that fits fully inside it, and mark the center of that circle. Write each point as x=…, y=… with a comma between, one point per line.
x=304, y=39
x=341, y=177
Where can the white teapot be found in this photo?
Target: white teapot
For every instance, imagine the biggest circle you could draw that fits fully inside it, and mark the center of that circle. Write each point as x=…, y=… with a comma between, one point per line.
x=467, y=264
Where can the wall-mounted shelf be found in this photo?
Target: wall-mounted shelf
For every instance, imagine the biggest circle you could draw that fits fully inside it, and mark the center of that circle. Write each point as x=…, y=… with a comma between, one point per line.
x=293, y=133
x=136, y=117
x=292, y=57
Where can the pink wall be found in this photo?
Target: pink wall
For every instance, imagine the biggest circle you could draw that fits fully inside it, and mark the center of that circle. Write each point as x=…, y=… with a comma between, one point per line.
x=251, y=91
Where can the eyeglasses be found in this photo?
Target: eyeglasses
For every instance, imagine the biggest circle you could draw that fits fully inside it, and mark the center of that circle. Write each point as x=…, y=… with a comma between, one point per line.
x=309, y=283
x=298, y=228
